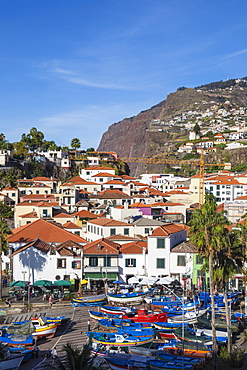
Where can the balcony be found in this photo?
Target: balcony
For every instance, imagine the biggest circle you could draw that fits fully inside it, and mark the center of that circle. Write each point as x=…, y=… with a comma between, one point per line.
x=101, y=269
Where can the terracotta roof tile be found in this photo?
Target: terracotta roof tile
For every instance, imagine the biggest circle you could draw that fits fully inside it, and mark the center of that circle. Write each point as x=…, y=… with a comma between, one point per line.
x=85, y=214
x=108, y=222
x=71, y=225
x=167, y=229
x=47, y=231
x=134, y=247
x=100, y=246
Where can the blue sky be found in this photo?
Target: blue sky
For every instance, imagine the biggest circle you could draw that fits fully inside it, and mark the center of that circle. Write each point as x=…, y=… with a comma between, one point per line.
x=72, y=68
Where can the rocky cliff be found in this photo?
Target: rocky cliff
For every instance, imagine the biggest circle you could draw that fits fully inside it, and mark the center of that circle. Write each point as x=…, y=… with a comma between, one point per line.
x=158, y=130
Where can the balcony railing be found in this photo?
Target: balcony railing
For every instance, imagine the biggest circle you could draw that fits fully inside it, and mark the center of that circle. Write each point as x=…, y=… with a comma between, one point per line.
x=101, y=269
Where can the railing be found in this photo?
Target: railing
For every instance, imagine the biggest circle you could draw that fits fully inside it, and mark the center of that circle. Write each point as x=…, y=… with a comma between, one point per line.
x=101, y=269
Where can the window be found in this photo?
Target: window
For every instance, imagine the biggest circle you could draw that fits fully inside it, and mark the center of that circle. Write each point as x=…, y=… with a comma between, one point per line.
x=77, y=233
x=112, y=232
x=13, y=194
x=146, y=231
x=199, y=260
x=126, y=231
x=45, y=212
x=37, y=191
x=218, y=187
x=160, y=243
x=211, y=188
x=160, y=263
x=130, y=262
x=181, y=261
x=93, y=261
x=218, y=193
x=101, y=179
x=76, y=264
x=107, y=261
x=87, y=172
x=61, y=263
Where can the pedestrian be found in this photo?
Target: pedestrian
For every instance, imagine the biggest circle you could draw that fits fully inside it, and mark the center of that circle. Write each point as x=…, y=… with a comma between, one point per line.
x=36, y=351
x=48, y=355
x=60, y=296
x=50, y=301
x=88, y=326
x=54, y=352
x=8, y=303
x=44, y=297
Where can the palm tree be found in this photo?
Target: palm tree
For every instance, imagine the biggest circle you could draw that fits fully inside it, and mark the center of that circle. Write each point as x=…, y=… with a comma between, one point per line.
x=207, y=230
x=75, y=358
x=228, y=262
x=4, y=232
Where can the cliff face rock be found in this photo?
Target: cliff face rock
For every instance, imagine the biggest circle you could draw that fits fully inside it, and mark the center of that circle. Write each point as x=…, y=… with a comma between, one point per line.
x=157, y=130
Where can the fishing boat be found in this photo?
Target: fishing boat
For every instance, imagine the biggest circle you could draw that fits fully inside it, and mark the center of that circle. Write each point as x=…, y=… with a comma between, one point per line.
x=89, y=301
x=100, y=315
x=204, y=322
x=116, y=324
x=113, y=310
x=11, y=363
x=136, y=333
x=118, y=340
x=191, y=335
x=187, y=346
x=187, y=352
x=170, y=325
x=43, y=328
x=171, y=365
x=161, y=355
x=188, y=317
x=128, y=297
x=144, y=316
x=26, y=352
x=14, y=340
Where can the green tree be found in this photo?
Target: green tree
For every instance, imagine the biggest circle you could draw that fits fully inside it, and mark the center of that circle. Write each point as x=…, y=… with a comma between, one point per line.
x=196, y=129
x=207, y=231
x=4, y=232
x=20, y=149
x=75, y=144
x=90, y=150
x=75, y=358
x=228, y=261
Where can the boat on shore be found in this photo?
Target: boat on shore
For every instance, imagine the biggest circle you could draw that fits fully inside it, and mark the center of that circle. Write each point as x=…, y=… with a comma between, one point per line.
x=128, y=297
x=118, y=340
x=89, y=301
x=144, y=316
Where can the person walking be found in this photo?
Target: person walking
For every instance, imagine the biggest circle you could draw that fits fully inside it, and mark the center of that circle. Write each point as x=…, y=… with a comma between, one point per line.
x=50, y=301
x=88, y=326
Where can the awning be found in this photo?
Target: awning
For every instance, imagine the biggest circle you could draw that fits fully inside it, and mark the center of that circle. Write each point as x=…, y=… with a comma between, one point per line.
x=100, y=276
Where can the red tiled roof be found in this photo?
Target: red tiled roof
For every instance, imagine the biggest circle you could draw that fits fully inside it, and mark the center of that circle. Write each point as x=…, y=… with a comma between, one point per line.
x=99, y=168
x=47, y=231
x=167, y=229
x=108, y=222
x=134, y=247
x=64, y=215
x=29, y=215
x=9, y=188
x=100, y=246
x=70, y=225
x=85, y=214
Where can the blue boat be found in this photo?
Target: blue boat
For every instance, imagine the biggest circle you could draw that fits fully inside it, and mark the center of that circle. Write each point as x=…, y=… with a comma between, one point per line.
x=91, y=301
x=128, y=297
x=161, y=355
x=15, y=340
x=170, y=325
x=114, y=310
x=119, y=340
x=26, y=352
x=100, y=315
x=125, y=324
x=168, y=365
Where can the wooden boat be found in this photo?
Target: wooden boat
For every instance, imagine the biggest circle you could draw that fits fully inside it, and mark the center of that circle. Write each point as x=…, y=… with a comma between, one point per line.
x=43, y=328
x=189, y=335
x=26, y=352
x=169, y=325
x=188, y=317
x=144, y=316
x=187, y=352
x=89, y=301
x=116, y=324
x=165, y=334
x=14, y=340
x=113, y=310
x=206, y=323
x=171, y=365
x=128, y=297
x=100, y=315
x=187, y=346
x=161, y=355
x=118, y=340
